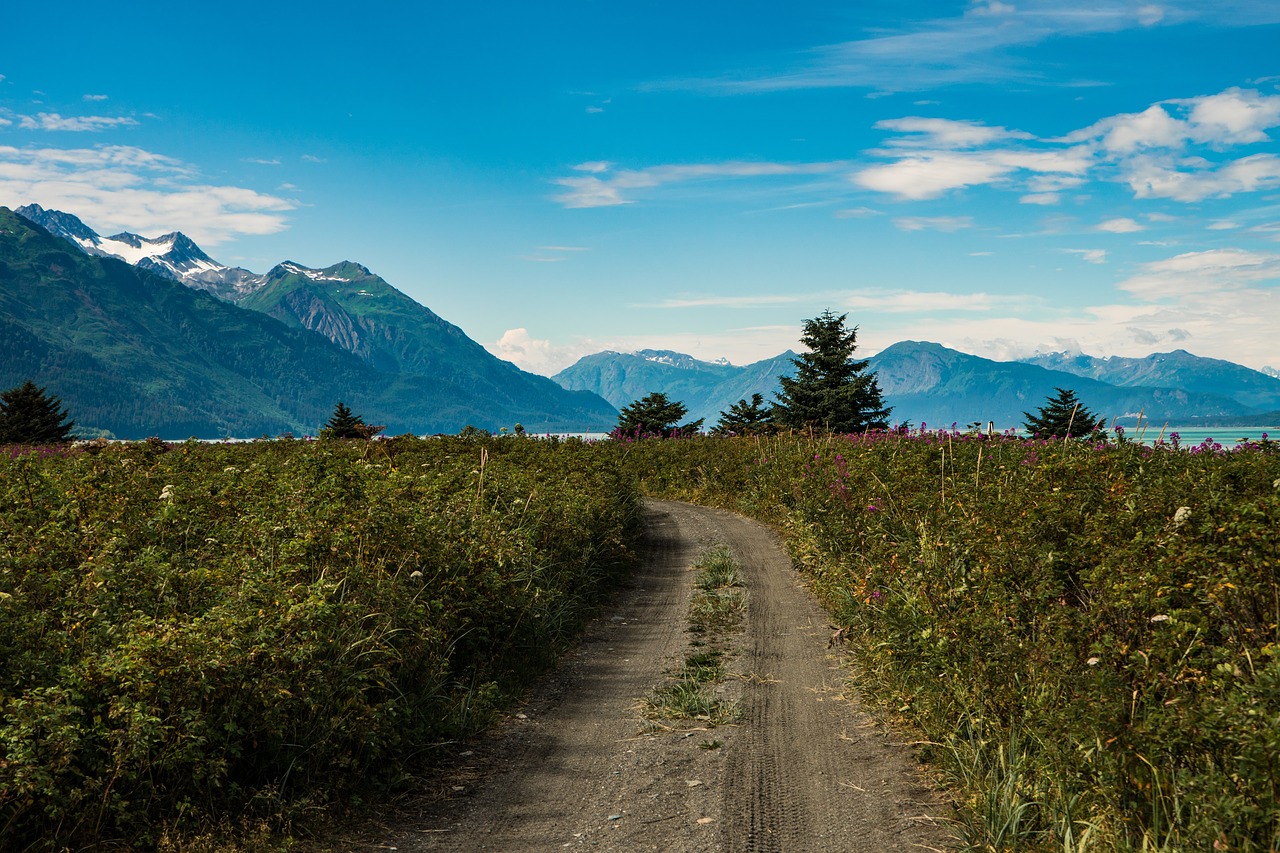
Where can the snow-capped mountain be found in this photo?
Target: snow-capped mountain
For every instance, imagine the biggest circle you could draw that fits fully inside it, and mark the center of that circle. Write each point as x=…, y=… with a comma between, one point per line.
x=174, y=255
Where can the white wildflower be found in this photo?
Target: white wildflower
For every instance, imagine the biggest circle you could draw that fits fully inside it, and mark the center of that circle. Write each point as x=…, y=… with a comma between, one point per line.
x=1182, y=514
x=1160, y=617
x=1093, y=661
x=166, y=494
x=416, y=575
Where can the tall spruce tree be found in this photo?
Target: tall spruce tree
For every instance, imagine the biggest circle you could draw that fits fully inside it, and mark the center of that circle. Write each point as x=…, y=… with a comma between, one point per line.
x=28, y=415
x=830, y=390
x=1062, y=416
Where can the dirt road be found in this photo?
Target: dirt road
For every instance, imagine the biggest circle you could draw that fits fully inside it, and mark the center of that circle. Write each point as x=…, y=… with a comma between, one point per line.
x=803, y=770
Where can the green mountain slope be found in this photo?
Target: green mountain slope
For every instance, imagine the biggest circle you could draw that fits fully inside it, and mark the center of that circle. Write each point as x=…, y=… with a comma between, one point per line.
x=136, y=354
x=363, y=314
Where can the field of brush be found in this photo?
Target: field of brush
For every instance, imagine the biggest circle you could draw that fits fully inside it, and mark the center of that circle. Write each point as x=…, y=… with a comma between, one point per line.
x=1086, y=633
x=231, y=638
x=212, y=638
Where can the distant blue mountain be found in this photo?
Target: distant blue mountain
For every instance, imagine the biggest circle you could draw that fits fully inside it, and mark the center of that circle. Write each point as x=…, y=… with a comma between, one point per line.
x=929, y=383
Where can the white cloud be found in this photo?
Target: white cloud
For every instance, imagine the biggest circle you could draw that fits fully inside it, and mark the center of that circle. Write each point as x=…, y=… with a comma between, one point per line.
x=593, y=166
x=122, y=188
x=538, y=355
x=1196, y=179
x=1093, y=256
x=1233, y=117
x=95, y=97
x=54, y=121
x=728, y=301
x=1150, y=15
x=856, y=213
x=605, y=188
x=1041, y=198
x=311, y=158
x=929, y=176
x=1222, y=225
x=1199, y=274
x=1121, y=225
x=897, y=302
x=933, y=223
x=945, y=133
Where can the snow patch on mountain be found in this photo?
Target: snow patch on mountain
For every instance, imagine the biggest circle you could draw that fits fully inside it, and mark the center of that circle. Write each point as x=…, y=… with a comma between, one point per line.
x=314, y=275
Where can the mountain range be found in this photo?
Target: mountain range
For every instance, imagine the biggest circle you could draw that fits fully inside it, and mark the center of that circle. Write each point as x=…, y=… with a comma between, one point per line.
x=932, y=384
x=146, y=336
x=143, y=336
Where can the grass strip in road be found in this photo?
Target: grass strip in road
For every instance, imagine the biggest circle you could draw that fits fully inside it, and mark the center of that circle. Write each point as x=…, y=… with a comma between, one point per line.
x=715, y=611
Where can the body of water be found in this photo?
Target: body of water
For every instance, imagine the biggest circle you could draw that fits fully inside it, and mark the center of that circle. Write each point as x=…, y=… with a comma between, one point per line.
x=1227, y=436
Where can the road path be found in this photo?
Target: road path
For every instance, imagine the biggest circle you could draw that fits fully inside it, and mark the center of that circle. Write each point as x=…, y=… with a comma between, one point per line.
x=803, y=770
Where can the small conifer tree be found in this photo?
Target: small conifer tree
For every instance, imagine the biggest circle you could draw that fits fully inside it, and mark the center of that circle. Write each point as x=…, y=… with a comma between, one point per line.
x=655, y=415
x=746, y=418
x=29, y=415
x=1061, y=416
x=344, y=424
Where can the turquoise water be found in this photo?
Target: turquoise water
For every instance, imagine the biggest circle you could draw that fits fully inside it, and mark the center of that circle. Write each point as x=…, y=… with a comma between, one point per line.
x=1227, y=436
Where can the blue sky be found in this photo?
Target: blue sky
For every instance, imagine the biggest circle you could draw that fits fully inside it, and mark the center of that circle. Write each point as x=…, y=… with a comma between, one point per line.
x=564, y=177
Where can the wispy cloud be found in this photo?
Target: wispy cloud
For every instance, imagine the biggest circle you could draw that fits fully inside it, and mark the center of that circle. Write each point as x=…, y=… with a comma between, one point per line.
x=731, y=301
x=933, y=223
x=917, y=301
x=986, y=43
x=261, y=162
x=123, y=188
x=1121, y=225
x=78, y=124
x=604, y=187
x=95, y=97
x=1093, y=256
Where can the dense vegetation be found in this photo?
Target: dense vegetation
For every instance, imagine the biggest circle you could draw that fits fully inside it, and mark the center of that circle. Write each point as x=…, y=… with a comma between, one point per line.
x=1087, y=633
x=197, y=634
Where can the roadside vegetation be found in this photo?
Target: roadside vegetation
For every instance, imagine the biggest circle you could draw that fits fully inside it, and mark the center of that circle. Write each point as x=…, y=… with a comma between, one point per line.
x=1085, y=630
x=240, y=639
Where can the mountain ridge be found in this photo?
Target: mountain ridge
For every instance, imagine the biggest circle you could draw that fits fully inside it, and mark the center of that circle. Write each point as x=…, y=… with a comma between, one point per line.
x=132, y=352
x=926, y=382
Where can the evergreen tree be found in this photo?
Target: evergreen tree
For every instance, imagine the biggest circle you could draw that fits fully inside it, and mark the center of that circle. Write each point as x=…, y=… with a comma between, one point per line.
x=1062, y=416
x=30, y=416
x=344, y=424
x=830, y=390
x=744, y=418
x=655, y=415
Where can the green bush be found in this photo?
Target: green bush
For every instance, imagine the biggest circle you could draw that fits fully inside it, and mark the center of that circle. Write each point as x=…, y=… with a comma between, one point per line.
x=195, y=632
